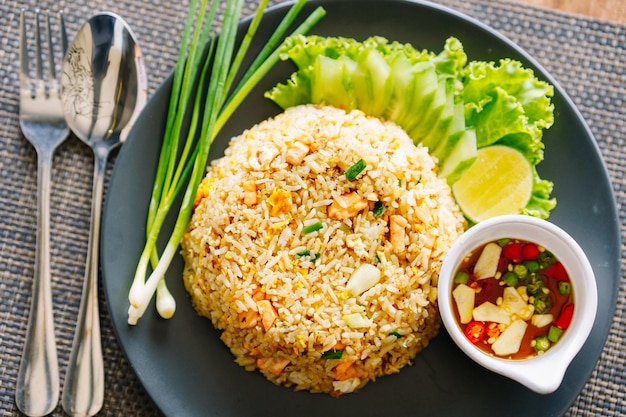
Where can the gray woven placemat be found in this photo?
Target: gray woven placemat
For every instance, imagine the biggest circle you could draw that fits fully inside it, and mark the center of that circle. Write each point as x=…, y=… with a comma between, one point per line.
x=588, y=58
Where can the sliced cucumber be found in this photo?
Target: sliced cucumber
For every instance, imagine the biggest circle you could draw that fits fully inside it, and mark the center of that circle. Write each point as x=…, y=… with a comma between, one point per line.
x=461, y=157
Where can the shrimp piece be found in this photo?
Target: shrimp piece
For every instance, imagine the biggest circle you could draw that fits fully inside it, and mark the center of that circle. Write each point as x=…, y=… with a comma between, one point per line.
x=273, y=365
x=397, y=225
x=348, y=369
x=346, y=206
x=296, y=153
x=248, y=319
x=267, y=313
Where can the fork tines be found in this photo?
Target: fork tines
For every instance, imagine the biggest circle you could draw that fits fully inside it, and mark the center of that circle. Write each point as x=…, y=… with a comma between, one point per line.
x=40, y=83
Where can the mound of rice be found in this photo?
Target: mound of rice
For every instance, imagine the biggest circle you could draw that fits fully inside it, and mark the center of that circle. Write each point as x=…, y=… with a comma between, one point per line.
x=279, y=231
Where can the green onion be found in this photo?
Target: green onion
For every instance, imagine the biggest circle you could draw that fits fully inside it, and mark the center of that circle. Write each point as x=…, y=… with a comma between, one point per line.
x=355, y=170
x=379, y=208
x=565, y=287
x=332, y=354
x=200, y=94
x=396, y=334
x=314, y=257
x=313, y=227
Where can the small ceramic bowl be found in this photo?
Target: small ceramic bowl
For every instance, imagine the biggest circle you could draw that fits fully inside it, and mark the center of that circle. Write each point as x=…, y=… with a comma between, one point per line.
x=542, y=373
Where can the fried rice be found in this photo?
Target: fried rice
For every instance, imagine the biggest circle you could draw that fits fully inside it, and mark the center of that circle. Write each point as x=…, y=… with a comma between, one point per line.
x=280, y=232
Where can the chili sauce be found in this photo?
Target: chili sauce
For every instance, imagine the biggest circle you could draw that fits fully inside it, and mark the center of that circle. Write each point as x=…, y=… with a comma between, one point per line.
x=518, y=286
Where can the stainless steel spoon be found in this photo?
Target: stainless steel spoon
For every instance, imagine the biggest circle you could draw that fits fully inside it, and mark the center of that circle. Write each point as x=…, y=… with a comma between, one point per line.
x=104, y=87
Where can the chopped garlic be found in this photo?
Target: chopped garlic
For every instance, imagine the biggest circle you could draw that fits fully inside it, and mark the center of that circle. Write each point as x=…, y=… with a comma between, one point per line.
x=362, y=279
x=356, y=321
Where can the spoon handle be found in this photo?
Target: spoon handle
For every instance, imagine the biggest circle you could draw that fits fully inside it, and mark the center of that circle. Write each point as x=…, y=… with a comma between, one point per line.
x=83, y=389
x=37, y=388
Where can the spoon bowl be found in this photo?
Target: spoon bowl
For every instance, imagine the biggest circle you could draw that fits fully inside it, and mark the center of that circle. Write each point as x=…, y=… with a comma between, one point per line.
x=104, y=84
x=103, y=89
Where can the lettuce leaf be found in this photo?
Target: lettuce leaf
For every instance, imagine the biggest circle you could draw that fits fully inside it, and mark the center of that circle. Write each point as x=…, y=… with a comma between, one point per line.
x=507, y=99
x=540, y=203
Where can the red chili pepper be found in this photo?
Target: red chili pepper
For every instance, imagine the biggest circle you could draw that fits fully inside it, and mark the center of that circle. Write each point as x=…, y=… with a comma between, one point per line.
x=557, y=271
x=530, y=251
x=513, y=251
x=502, y=263
x=565, y=318
x=475, y=331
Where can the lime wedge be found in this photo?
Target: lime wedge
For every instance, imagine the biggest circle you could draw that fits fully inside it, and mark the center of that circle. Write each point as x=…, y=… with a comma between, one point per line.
x=500, y=181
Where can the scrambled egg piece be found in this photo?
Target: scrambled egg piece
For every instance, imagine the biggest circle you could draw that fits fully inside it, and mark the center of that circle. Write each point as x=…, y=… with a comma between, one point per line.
x=279, y=202
x=203, y=191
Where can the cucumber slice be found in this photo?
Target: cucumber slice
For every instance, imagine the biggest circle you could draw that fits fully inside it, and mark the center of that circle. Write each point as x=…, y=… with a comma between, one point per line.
x=461, y=157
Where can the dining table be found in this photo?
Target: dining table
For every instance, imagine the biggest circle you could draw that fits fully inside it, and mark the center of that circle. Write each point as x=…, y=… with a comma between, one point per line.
x=585, y=54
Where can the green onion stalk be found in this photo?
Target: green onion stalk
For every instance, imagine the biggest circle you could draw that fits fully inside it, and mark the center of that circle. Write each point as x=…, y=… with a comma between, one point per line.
x=182, y=161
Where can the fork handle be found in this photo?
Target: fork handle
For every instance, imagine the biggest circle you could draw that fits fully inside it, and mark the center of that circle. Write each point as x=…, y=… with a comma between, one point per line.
x=83, y=389
x=37, y=388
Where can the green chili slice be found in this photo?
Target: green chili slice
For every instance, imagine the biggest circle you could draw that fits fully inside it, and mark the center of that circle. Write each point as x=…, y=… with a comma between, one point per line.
x=461, y=277
x=510, y=278
x=546, y=258
x=554, y=334
x=565, y=287
x=541, y=344
x=535, y=286
x=532, y=266
x=520, y=270
x=542, y=304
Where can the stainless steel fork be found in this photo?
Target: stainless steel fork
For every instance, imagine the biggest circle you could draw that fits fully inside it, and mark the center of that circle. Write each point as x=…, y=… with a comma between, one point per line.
x=43, y=124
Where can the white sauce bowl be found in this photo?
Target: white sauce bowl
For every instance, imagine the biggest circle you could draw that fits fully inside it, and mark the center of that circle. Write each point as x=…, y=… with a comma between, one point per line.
x=543, y=373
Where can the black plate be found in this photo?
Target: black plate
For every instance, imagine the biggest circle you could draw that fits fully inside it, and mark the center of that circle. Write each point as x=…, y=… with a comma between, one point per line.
x=189, y=372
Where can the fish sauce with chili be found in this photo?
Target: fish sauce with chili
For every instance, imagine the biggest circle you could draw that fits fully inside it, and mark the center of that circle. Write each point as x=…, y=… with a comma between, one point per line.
x=540, y=279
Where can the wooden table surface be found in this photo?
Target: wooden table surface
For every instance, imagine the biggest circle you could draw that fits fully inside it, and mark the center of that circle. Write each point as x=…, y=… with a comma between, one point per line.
x=610, y=10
